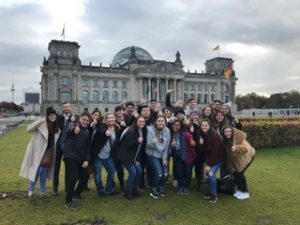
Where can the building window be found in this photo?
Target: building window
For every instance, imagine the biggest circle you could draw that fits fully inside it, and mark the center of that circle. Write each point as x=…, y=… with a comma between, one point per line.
x=193, y=87
x=226, y=99
x=124, y=95
x=199, y=87
x=124, y=84
x=206, y=99
x=115, y=84
x=95, y=82
x=198, y=98
x=65, y=54
x=185, y=97
x=226, y=87
x=213, y=87
x=212, y=97
x=115, y=97
x=65, y=96
x=71, y=54
x=105, y=83
x=95, y=96
x=85, y=81
x=186, y=86
x=85, y=97
x=206, y=87
x=65, y=81
x=105, y=97
x=58, y=53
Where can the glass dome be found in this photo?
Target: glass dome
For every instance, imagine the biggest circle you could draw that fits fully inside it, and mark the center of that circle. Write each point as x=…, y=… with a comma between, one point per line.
x=122, y=56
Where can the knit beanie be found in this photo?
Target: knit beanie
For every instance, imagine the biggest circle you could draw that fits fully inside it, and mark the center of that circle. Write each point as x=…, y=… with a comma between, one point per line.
x=50, y=110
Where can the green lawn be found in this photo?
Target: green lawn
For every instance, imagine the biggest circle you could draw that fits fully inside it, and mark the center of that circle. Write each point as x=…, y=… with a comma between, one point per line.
x=273, y=180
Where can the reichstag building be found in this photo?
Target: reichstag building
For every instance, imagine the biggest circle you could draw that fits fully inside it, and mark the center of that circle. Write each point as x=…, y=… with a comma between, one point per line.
x=132, y=75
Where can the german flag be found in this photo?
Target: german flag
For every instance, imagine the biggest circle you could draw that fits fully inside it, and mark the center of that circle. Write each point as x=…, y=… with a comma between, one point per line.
x=228, y=71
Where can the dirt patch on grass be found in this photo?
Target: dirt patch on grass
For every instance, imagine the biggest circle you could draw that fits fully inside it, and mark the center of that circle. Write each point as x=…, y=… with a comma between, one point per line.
x=88, y=221
x=264, y=220
x=13, y=195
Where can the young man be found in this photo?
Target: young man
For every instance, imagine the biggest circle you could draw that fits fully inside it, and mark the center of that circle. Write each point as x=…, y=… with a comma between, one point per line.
x=153, y=109
x=129, y=115
x=76, y=151
x=63, y=121
x=192, y=106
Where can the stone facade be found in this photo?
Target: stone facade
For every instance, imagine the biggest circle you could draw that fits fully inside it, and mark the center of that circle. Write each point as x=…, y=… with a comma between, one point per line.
x=133, y=75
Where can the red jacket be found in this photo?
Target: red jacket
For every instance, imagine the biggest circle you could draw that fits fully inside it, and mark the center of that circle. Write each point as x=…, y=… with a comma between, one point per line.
x=191, y=151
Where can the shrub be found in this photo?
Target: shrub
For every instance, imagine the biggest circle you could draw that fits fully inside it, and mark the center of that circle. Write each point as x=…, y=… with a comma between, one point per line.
x=272, y=133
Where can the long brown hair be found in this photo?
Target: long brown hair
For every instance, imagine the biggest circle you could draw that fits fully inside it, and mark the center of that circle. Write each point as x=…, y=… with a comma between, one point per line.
x=209, y=136
x=52, y=126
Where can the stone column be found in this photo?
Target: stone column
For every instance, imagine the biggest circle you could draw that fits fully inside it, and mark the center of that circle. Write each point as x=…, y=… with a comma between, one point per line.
x=175, y=90
x=149, y=88
x=141, y=89
x=157, y=89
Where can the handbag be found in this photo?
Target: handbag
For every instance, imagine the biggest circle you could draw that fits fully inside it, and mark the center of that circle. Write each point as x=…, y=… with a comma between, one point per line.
x=47, y=159
x=226, y=185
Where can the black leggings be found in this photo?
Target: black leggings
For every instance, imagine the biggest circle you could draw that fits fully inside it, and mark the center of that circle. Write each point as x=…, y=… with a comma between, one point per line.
x=240, y=179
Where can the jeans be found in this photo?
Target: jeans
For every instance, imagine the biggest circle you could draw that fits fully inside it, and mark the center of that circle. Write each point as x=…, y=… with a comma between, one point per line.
x=41, y=173
x=134, y=175
x=184, y=173
x=158, y=169
x=212, y=180
x=74, y=173
x=110, y=169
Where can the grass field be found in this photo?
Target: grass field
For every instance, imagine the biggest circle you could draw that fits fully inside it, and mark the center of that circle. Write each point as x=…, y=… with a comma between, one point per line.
x=273, y=180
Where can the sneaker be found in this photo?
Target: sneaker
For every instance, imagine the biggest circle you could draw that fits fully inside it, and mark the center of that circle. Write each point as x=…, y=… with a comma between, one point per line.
x=213, y=199
x=186, y=191
x=162, y=191
x=111, y=193
x=180, y=191
x=155, y=194
x=237, y=193
x=70, y=205
x=175, y=183
x=43, y=195
x=55, y=193
x=207, y=195
x=243, y=196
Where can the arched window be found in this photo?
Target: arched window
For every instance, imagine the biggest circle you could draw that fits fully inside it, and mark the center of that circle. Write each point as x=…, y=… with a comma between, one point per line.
x=212, y=97
x=124, y=95
x=65, y=81
x=115, y=97
x=105, y=97
x=206, y=99
x=85, y=97
x=95, y=96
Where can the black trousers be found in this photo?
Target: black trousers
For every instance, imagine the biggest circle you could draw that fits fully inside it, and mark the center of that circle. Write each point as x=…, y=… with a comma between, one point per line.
x=240, y=179
x=58, y=158
x=120, y=172
x=74, y=173
x=199, y=167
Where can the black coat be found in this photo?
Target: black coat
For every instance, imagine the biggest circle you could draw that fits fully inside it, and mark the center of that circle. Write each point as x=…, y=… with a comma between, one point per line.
x=99, y=139
x=130, y=150
x=77, y=146
x=63, y=127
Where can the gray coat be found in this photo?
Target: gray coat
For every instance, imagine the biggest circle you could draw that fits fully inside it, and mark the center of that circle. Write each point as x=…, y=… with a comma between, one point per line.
x=154, y=147
x=36, y=149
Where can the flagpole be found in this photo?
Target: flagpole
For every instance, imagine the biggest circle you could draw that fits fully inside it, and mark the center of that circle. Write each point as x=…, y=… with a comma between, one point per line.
x=64, y=33
x=219, y=51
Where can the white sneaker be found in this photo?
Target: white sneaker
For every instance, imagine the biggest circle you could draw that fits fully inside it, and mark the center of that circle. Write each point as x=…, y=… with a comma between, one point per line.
x=243, y=196
x=175, y=183
x=237, y=193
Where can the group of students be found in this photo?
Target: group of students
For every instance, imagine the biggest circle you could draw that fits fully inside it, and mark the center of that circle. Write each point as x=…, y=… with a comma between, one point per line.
x=142, y=141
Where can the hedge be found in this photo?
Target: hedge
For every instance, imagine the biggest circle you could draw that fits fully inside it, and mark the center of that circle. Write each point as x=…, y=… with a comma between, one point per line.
x=272, y=133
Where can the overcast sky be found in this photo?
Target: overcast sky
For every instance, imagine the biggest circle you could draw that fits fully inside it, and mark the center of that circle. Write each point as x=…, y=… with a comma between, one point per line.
x=261, y=36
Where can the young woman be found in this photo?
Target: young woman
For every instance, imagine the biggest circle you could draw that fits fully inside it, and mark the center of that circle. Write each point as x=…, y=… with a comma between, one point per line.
x=230, y=118
x=103, y=146
x=129, y=153
x=214, y=153
x=182, y=145
x=158, y=140
x=207, y=112
x=239, y=156
x=219, y=121
x=39, y=158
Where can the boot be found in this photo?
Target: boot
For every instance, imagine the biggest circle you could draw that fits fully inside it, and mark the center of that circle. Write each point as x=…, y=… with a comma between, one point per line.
x=128, y=195
x=136, y=192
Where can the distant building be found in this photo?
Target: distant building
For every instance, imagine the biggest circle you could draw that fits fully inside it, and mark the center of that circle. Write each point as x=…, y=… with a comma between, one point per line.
x=133, y=75
x=32, y=103
x=33, y=98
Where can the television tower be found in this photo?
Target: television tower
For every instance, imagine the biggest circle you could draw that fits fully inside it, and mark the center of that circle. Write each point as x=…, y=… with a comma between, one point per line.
x=12, y=88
